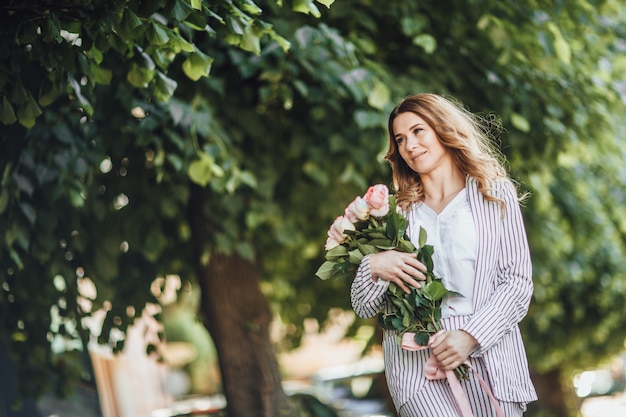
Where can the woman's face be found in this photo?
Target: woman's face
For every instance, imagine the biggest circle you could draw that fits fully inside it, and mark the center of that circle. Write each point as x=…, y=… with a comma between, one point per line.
x=418, y=144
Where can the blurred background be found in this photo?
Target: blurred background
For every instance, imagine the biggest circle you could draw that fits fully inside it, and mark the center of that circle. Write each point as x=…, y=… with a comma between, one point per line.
x=169, y=169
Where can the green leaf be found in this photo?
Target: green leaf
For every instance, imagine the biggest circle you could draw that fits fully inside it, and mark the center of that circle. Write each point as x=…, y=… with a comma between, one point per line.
x=372, y=234
x=367, y=119
x=72, y=26
x=366, y=249
x=48, y=93
x=395, y=290
x=251, y=40
x=248, y=178
x=425, y=256
x=422, y=237
x=520, y=122
x=100, y=74
x=148, y=7
x=396, y=322
x=180, y=10
x=201, y=170
x=196, y=4
x=164, y=87
x=24, y=184
x=422, y=338
x=392, y=229
x=434, y=290
x=306, y=7
x=380, y=96
x=96, y=54
x=336, y=253
x=383, y=247
x=406, y=246
x=7, y=115
x=421, y=301
x=178, y=43
x=385, y=321
x=16, y=258
x=315, y=172
x=76, y=198
x=325, y=271
x=18, y=94
x=326, y=3
x=427, y=42
x=145, y=61
x=50, y=30
x=4, y=199
x=282, y=42
x=406, y=319
x=245, y=250
x=29, y=212
x=157, y=34
x=251, y=8
x=561, y=46
x=28, y=112
x=130, y=26
x=197, y=65
x=139, y=77
x=355, y=257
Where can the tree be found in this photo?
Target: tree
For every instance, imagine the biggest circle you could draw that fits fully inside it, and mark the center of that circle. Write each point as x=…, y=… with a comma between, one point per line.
x=220, y=181
x=76, y=168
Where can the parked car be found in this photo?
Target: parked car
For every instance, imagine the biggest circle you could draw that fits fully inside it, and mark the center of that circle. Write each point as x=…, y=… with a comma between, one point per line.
x=355, y=390
x=602, y=381
x=593, y=383
x=215, y=406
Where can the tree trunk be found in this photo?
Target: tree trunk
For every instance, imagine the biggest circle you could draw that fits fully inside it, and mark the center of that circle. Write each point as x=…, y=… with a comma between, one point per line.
x=554, y=400
x=238, y=317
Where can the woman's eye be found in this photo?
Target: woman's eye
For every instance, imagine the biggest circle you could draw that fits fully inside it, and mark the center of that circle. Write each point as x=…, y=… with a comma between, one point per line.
x=399, y=140
x=417, y=131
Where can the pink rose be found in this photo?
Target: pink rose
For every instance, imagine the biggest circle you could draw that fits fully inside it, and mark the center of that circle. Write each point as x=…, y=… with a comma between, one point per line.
x=331, y=243
x=357, y=210
x=336, y=231
x=377, y=197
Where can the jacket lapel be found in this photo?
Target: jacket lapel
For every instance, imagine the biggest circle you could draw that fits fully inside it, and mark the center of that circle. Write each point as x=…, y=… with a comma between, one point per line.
x=486, y=216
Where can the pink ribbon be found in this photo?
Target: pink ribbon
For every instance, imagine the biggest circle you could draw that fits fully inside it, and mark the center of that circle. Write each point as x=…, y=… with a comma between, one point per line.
x=432, y=371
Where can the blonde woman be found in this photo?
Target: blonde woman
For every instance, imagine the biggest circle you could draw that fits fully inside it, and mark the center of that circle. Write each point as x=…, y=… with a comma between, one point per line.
x=450, y=180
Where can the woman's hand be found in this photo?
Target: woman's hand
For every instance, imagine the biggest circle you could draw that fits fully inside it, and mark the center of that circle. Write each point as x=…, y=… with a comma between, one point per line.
x=452, y=348
x=401, y=268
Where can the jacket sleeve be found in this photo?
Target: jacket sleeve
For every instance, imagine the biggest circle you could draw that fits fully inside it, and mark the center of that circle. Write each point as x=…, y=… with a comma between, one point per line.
x=513, y=286
x=367, y=295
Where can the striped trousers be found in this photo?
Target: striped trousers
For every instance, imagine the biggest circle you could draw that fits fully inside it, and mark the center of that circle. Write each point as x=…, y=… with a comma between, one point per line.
x=435, y=399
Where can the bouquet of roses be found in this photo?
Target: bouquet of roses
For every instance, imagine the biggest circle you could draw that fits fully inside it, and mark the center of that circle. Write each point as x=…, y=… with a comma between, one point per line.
x=373, y=224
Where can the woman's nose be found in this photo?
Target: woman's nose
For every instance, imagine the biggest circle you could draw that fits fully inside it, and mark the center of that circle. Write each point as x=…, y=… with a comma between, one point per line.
x=411, y=141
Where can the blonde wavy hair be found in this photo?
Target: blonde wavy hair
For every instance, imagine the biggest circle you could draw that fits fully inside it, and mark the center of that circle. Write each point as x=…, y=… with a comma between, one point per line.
x=467, y=136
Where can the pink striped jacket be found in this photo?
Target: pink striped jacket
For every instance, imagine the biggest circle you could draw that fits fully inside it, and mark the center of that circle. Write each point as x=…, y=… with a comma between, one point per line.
x=502, y=292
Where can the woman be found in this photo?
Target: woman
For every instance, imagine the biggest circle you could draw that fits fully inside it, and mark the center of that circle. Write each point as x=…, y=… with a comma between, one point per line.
x=449, y=180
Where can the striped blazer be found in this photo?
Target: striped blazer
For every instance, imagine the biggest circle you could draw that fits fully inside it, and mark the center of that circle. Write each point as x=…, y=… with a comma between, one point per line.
x=502, y=292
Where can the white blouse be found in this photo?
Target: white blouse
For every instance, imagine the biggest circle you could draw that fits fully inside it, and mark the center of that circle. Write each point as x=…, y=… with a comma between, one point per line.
x=453, y=236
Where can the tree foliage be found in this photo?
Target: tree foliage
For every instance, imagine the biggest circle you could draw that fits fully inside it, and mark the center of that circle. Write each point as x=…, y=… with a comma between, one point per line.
x=95, y=188
x=113, y=110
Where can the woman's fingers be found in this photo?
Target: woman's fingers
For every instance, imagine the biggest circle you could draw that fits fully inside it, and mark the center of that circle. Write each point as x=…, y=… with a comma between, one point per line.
x=410, y=280
x=452, y=348
x=401, y=268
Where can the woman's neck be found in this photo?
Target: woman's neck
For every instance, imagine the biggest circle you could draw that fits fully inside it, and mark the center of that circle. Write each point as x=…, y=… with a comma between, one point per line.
x=441, y=188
